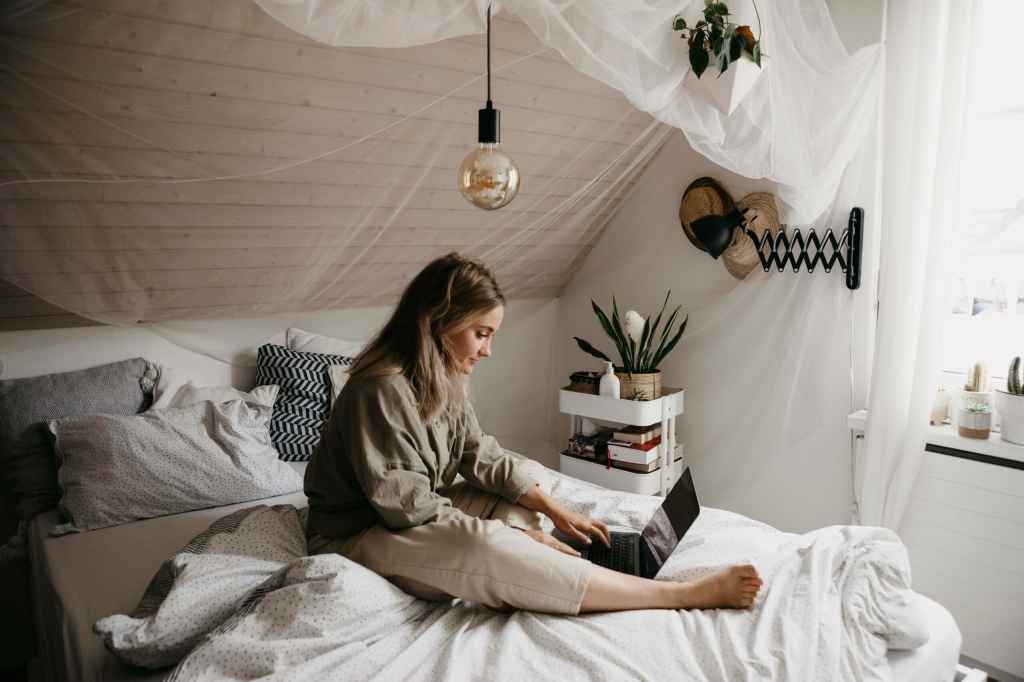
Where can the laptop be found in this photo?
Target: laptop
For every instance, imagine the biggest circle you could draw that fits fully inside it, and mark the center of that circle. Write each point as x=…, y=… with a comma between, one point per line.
x=644, y=554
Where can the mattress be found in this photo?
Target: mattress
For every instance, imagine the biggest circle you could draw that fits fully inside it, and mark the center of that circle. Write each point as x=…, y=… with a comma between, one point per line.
x=79, y=578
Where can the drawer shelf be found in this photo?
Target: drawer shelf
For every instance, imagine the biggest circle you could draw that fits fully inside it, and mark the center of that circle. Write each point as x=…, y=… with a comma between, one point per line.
x=619, y=479
x=635, y=412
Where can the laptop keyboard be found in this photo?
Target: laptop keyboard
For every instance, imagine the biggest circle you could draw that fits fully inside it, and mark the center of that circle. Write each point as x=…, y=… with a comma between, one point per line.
x=619, y=557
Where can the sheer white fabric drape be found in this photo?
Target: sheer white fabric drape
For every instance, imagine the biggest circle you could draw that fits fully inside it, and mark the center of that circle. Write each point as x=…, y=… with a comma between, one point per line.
x=800, y=125
x=928, y=46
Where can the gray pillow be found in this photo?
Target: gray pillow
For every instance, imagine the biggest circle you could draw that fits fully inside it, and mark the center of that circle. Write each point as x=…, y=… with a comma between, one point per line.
x=200, y=587
x=115, y=469
x=29, y=470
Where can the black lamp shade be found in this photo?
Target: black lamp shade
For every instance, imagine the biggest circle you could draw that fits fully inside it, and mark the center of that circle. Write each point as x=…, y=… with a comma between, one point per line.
x=715, y=231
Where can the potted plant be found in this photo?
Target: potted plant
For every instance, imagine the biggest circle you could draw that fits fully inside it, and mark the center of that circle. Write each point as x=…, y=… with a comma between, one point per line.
x=976, y=386
x=715, y=42
x=1010, y=404
x=641, y=345
x=974, y=420
x=974, y=414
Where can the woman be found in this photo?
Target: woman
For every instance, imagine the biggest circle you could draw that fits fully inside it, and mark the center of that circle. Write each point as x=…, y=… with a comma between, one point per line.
x=380, y=484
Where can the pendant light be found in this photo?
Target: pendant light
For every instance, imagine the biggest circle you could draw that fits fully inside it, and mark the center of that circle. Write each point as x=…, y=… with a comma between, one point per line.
x=488, y=178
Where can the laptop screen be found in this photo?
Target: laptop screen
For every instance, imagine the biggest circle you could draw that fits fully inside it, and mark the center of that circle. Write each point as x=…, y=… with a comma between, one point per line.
x=671, y=521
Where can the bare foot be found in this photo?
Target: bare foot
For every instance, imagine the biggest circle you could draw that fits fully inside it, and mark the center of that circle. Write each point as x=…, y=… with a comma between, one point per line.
x=735, y=588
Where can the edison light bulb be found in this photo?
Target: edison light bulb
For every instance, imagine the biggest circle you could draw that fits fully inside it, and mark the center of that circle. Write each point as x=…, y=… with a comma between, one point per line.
x=488, y=178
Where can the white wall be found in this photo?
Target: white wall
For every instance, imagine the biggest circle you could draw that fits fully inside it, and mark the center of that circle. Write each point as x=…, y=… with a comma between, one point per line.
x=643, y=253
x=509, y=390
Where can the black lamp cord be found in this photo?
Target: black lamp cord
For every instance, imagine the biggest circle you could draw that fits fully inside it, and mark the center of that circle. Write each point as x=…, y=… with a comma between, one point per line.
x=489, y=105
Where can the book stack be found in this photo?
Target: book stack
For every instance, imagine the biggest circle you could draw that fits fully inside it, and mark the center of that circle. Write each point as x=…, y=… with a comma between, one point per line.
x=636, y=448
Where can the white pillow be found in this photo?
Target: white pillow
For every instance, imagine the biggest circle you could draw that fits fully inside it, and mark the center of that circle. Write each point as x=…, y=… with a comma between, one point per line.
x=308, y=342
x=174, y=388
x=115, y=469
x=339, y=377
x=190, y=394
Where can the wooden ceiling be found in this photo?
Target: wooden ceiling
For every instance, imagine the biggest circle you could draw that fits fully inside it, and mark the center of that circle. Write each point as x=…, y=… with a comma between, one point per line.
x=153, y=91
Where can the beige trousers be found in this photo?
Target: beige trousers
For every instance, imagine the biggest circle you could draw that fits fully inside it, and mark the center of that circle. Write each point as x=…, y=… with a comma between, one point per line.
x=481, y=557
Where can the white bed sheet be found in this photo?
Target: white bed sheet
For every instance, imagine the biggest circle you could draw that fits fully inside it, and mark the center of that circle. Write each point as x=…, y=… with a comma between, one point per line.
x=80, y=578
x=77, y=579
x=936, y=659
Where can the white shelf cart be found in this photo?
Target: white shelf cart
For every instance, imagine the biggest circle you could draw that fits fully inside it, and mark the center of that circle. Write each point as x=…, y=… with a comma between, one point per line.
x=662, y=410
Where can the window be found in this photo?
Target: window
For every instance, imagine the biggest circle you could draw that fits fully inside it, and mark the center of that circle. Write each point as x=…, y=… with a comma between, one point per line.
x=986, y=322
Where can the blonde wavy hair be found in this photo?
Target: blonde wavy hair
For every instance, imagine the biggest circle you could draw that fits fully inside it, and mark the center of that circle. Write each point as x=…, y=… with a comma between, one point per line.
x=446, y=297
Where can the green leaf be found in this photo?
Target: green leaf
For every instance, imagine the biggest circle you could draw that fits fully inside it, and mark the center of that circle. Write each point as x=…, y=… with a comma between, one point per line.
x=607, y=326
x=736, y=44
x=698, y=58
x=654, y=330
x=602, y=318
x=717, y=43
x=625, y=348
x=756, y=54
x=667, y=330
x=672, y=343
x=723, y=61
x=644, y=344
x=679, y=25
x=587, y=348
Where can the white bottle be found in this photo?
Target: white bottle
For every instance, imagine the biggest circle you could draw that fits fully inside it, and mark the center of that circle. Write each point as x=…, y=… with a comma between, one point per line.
x=609, y=385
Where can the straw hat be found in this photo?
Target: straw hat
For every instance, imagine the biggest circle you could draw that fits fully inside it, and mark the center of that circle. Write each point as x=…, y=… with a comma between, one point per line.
x=762, y=215
x=704, y=196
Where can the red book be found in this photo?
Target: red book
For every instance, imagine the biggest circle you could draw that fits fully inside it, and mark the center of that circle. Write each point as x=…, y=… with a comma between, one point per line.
x=635, y=446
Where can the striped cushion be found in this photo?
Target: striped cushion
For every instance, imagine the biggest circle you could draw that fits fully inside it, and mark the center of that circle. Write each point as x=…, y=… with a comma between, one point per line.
x=305, y=398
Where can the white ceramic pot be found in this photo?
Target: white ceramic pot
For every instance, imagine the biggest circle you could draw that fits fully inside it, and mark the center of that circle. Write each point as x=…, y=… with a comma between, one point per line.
x=973, y=424
x=1011, y=414
x=726, y=91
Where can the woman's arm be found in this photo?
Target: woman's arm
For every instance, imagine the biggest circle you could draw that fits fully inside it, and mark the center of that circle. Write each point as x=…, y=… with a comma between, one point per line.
x=485, y=465
x=569, y=522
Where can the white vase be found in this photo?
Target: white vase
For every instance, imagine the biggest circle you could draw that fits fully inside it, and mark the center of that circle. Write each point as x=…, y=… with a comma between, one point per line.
x=1011, y=414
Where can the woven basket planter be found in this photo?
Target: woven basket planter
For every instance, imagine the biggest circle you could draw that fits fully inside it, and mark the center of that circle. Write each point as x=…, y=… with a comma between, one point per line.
x=637, y=386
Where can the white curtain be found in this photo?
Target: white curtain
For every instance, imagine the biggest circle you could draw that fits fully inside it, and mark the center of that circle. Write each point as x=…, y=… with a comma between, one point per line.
x=928, y=47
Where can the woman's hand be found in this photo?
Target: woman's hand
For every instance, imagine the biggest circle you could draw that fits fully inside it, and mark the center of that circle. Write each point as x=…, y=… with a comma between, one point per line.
x=578, y=526
x=551, y=541
x=574, y=525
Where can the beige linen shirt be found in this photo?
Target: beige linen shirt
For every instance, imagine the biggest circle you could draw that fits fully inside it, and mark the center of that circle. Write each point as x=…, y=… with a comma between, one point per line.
x=379, y=462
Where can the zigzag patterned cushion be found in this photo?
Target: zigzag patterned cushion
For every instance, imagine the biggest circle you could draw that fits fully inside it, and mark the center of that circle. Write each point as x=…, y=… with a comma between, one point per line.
x=305, y=398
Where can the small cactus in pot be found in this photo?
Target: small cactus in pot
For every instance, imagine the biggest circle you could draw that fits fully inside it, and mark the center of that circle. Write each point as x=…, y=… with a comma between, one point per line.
x=1010, y=405
x=977, y=378
x=974, y=416
x=1015, y=379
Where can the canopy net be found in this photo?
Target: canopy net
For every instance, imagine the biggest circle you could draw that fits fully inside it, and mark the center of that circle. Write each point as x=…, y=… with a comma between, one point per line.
x=175, y=160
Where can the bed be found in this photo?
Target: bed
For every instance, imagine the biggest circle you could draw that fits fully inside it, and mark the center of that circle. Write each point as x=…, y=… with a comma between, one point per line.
x=80, y=578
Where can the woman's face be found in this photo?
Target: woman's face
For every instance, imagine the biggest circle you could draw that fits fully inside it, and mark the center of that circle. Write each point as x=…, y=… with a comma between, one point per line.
x=473, y=343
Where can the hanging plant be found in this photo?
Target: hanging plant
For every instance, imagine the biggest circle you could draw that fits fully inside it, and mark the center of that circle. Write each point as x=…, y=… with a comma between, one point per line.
x=716, y=40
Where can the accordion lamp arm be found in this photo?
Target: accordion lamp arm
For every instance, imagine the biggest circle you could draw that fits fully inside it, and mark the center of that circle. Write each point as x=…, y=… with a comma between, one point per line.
x=801, y=249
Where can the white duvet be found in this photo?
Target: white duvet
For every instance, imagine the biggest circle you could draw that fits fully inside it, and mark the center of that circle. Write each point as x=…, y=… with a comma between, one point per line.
x=833, y=601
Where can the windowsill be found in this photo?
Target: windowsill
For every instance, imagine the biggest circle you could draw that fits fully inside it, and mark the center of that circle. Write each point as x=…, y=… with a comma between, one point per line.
x=946, y=435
